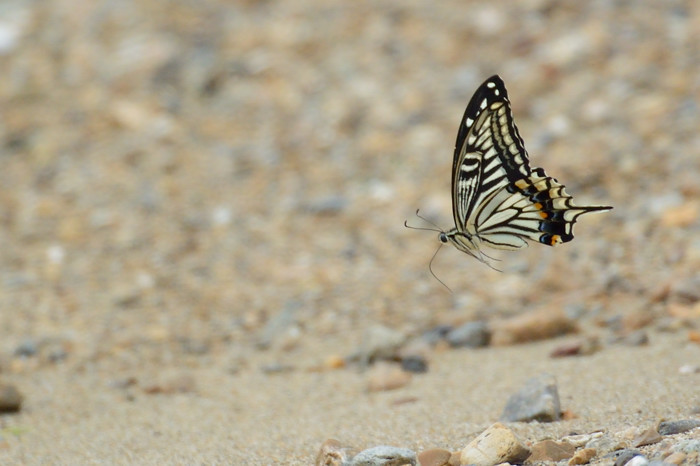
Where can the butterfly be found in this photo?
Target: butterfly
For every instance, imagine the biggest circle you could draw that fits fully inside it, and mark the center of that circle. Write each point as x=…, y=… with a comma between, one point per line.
x=498, y=200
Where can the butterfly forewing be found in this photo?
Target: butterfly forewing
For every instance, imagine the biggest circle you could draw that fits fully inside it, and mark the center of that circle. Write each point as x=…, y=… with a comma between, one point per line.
x=497, y=198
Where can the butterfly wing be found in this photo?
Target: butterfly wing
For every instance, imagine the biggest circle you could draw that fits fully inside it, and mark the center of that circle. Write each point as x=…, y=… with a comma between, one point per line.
x=496, y=197
x=489, y=152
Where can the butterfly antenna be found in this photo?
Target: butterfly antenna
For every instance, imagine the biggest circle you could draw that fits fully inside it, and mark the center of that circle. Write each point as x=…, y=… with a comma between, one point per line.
x=430, y=267
x=426, y=220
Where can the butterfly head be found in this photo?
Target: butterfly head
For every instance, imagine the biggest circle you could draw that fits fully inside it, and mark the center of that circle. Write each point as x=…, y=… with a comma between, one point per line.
x=442, y=236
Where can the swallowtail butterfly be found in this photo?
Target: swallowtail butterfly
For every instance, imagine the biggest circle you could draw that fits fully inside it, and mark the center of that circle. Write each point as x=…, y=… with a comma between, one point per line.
x=498, y=200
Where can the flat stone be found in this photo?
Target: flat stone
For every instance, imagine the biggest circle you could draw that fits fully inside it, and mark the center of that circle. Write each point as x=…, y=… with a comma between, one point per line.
x=497, y=444
x=549, y=450
x=434, y=457
x=384, y=456
x=538, y=400
x=469, y=335
x=583, y=456
x=678, y=427
x=648, y=437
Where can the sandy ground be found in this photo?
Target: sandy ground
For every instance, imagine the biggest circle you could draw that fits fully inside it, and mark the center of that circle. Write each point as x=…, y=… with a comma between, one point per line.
x=193, y=194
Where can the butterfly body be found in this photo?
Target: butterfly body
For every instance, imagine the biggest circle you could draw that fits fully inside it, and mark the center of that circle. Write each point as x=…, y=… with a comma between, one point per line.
x=498, y=200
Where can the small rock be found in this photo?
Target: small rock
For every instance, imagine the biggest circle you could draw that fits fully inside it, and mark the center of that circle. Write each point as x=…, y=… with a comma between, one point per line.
x=677, y=427
x=648, y=437
x=497, y=444
x=379, y=343
x=688, y=289
x=675, y=458
x=384, y=456
x=436, y=334
x=694, y=336
x=532, y=326
x=276, y=368
x=10, y=399
x=636, y=338
x=583, y=456
x=583, y=347
x=434, y=457
x=689, y=369
x=580, y=440
x=622, y=457
x=637, y=461
x=176, y=384
x=606, y=444
x=334, y=361
x=277, y=325
x=416, y=364
x=332, y=453
x=538, y=400
x=26, y=349
x=469, y=335
x=549, y=450
x=386, y=376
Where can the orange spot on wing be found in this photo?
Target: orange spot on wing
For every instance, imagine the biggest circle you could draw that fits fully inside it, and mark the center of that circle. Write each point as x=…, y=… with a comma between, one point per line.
x=555, y=239
x=538, y=206
x=544, y=214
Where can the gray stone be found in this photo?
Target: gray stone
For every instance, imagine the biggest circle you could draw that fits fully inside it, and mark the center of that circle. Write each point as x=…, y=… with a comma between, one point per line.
x=384, y=456
x=622, y=457
x=470, y=335
x=677, y=427
x=538, y=400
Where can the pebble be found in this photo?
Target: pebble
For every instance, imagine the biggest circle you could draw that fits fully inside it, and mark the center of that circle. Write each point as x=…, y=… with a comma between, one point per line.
x=636, y=338
x=648, y=437
x=549, y=450
x=26, y=349
x=676, y=458
x=583, y=456
x=537, y=325
x=538, y=400
x=416, y=364
x=497, y=444
x=277, y=325
x=10, y=399
x=332, y=453
x=687, y=289
x=434, y=457
x=622, y=457
x=384, y=456
x=386, y=376
x=637, y=461
x=606, y=444
x=579, y=440
x=582, y=347
x=677, y=427
x=436, y=334
x=469, y=335
x=379, y=342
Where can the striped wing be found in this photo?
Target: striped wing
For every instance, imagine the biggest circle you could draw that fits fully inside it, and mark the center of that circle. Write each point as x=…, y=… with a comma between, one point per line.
x=496, y=197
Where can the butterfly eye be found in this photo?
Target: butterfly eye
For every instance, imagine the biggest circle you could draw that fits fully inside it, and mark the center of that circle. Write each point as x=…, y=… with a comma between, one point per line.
x=442, y=237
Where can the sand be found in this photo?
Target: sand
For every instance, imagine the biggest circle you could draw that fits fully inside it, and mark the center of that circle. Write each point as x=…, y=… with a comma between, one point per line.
x=202, y=204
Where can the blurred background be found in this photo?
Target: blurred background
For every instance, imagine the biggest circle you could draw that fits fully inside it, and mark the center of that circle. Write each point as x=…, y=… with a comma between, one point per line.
x=176, y=175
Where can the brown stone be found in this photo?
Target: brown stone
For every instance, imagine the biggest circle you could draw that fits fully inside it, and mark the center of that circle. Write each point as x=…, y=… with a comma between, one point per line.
x=434, y=457
x=549, y=450
x=583, y=456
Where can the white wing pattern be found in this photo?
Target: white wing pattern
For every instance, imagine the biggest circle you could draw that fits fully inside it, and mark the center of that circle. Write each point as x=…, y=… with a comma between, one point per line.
x=497, y=199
